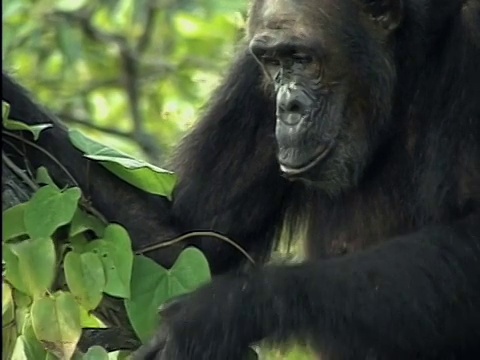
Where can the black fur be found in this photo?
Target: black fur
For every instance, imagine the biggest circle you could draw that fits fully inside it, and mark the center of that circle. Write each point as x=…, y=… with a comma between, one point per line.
x=407, y=283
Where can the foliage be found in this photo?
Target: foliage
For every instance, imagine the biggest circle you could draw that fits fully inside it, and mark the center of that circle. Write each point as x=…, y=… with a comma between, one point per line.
x=136, y=172
x=131, y=73
x=82, y=260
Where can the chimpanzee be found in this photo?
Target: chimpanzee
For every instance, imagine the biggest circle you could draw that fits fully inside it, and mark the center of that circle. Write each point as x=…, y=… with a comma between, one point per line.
x=356, y=122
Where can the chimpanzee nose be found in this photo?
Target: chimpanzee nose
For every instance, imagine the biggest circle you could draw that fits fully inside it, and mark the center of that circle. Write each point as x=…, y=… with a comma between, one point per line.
x=292, y=105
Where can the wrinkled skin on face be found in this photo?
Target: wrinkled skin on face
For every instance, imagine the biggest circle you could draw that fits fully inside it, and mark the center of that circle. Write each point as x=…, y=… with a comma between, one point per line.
x=331, y=105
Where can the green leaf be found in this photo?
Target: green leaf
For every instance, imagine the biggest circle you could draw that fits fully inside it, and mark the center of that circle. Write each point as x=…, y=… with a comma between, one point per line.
x=138, y=173
x=22, y=308
x=36, y=264
x=85, y=278
x=152, y=285
x=50, y=356
x=9, y=329
x=88, y=320
x=82, y=222
x=27, y=345
x=79, y=242
x=115, y=251
x=8, y=308
x=18, y=125
x=149, y=289
x=12, y=269
x=48, y=209
x=118, y=355
x=5, y=110
x=189, y=271
x=13, y=223
x=43, y=177
x=22, y=299
x=56, y=322
x=28, y=348
x=95, y=353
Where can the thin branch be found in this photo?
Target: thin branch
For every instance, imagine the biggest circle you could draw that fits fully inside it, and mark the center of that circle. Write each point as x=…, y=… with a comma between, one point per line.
x=21, y=154
x=130, y=63
x=192, y=235
x=19, y=172
x=146, y=37
x=45, y=152
x=85, y=203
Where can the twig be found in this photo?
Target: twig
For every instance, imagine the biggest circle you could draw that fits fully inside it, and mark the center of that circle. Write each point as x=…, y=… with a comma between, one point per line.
x=19, y=172
x=195, y=234
x=85, y=203
x=146, y=37
x=22, y=155
x=130, y=63
x=45, y=152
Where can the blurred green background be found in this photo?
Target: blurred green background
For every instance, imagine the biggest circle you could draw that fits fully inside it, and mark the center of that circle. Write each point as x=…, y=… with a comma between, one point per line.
x=133, y=74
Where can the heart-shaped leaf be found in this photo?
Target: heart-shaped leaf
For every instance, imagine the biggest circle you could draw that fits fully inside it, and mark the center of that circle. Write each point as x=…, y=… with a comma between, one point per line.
x=48, y=209
x=56, y=322
x=152, y=285
x=85, y=278
x=115, y=252
x=13, y=223
x=36, y=264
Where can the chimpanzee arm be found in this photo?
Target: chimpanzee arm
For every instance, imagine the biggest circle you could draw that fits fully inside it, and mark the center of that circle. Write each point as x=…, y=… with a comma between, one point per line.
x=414, y=297
x=147, y=217
x=229, y=178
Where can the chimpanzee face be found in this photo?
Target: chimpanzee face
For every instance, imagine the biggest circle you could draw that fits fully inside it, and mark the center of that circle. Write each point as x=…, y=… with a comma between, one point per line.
x=332, y=77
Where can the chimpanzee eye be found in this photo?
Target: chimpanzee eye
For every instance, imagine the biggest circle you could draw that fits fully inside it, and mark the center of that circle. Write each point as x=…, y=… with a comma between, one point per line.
x=270, y=61
x=302, y=58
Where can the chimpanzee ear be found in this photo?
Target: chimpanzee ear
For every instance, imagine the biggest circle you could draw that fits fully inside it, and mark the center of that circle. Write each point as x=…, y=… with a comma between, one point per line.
x=387, y=14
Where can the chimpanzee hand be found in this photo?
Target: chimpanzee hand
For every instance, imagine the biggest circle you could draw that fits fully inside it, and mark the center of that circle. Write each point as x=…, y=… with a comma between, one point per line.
x=207, y=324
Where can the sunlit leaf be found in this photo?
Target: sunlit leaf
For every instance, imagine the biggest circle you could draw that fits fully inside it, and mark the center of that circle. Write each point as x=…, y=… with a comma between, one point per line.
x=27, y=345
x=35, y=130
x=25, y=348
x=89, y=320
x=48, y=209
x=136, y=172
x=13, y=223
x=56, y=322
x=95, y=353
x=12, y=269
x=5, y=110
x=22, y=308
x=9, y=329
x=35, y=264
x=8, y=308
x=85, y=278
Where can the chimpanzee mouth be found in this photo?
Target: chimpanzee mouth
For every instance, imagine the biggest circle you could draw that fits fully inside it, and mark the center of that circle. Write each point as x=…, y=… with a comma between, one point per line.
x=319, y=155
